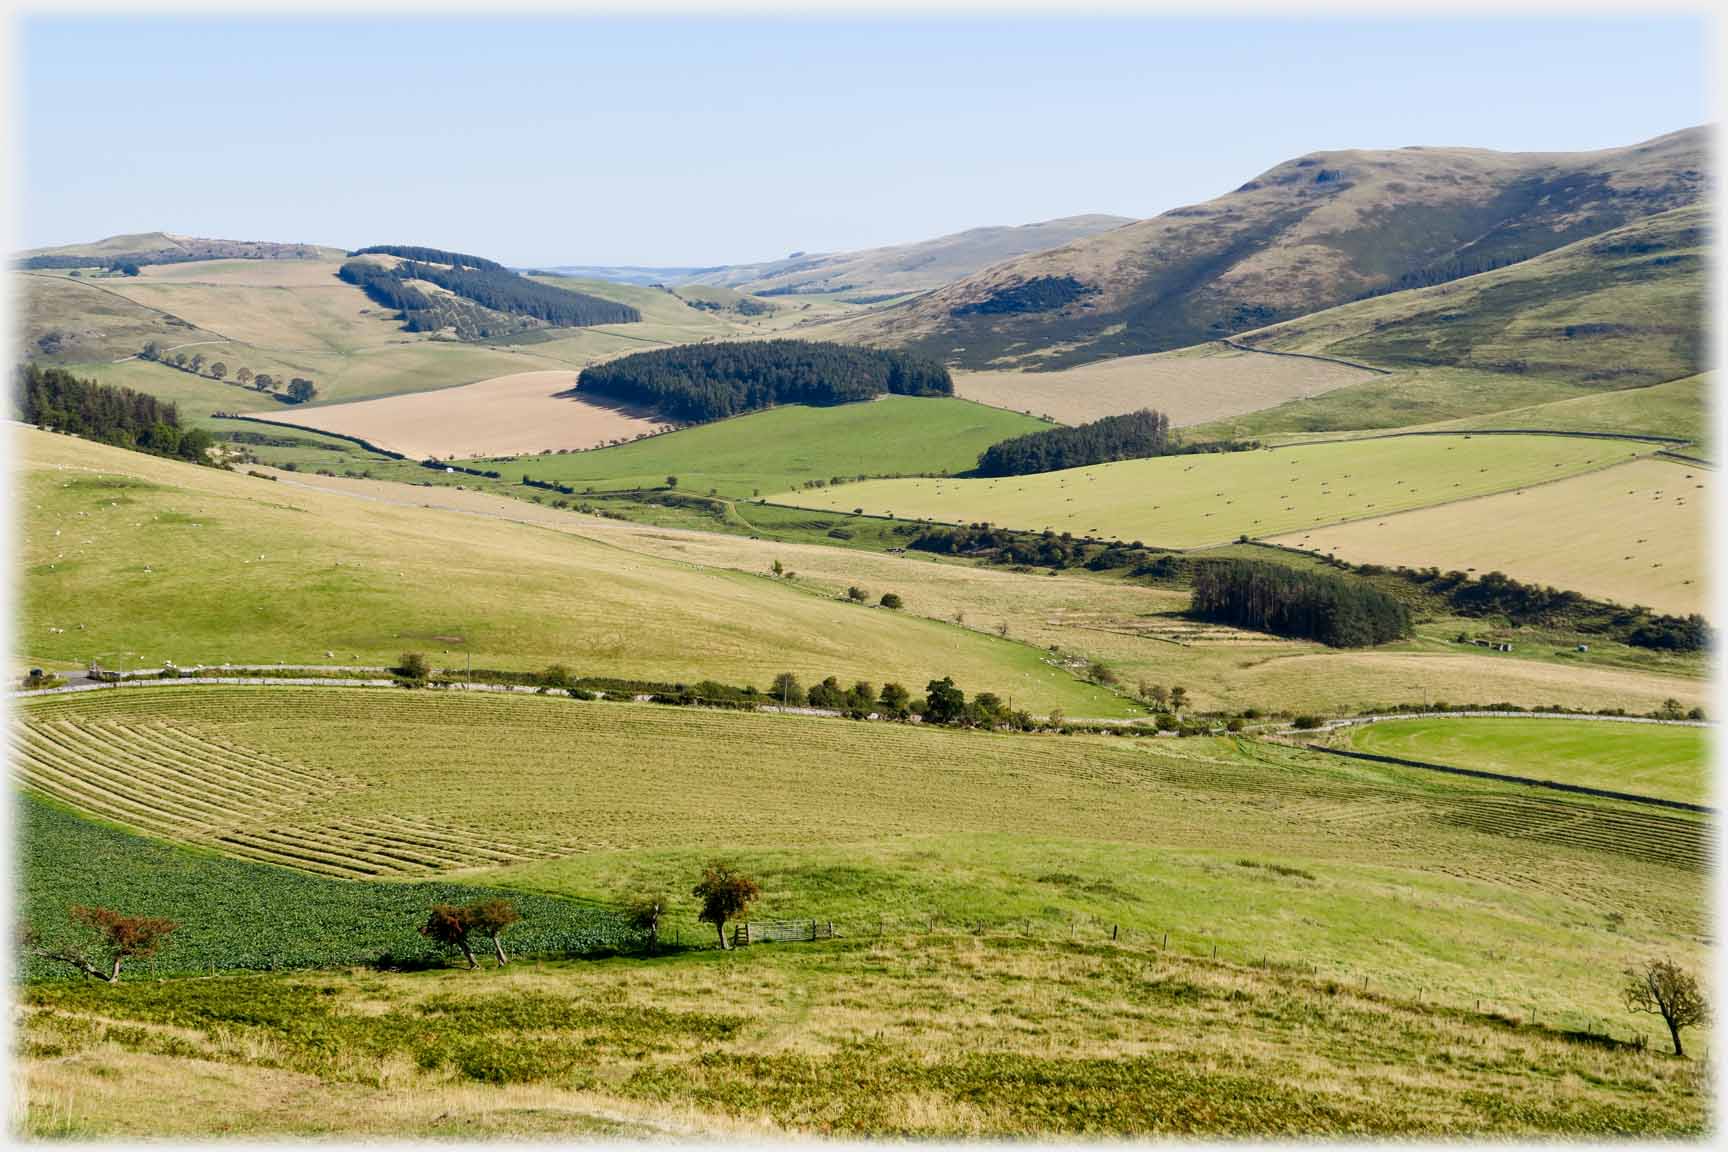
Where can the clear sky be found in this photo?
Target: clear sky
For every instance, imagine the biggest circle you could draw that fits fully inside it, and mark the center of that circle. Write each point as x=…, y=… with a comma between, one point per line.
x=698, y=141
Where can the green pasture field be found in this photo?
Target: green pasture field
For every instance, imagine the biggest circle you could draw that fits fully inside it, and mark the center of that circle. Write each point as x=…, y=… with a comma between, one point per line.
x=156, y=560
x=1676, y=408
x=763, y=452
x=1667, y=761
x=1260, y=850
x=1190, y=501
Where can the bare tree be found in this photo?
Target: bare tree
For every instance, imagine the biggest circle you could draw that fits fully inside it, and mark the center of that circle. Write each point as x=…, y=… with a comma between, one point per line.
x=119, y=938
x=448, y=925
x=490, y=918
x=1663, y=988
x=644, y=912
x=725, y=893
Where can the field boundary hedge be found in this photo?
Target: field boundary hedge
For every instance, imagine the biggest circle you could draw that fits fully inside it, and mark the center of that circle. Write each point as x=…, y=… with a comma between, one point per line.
x=1502, y=777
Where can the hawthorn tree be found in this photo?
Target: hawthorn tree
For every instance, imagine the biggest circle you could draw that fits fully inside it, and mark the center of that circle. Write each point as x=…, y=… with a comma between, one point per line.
x=1663, y=988
x=490, y=918
x=117, y=939
x=449, y=926
x=218, y=370
x=895, y=700
x=725, y=893
x=944, y=703
x=413, y=666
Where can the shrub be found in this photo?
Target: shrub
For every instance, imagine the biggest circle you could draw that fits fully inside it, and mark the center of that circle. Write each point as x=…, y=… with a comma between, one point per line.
x=891, y=600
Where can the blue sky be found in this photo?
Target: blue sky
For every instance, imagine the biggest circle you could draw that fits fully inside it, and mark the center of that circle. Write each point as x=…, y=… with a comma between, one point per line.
x=691, y=141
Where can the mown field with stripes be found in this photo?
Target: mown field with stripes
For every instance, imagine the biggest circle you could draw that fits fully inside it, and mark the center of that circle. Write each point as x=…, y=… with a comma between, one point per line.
x=1394, y=871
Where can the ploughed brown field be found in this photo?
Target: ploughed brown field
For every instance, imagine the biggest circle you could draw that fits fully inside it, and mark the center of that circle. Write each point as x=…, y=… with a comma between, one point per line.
x=520, y=413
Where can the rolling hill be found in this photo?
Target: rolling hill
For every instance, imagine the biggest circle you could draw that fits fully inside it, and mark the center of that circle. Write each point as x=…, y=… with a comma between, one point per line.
x=166, y=248
x=1311, y=233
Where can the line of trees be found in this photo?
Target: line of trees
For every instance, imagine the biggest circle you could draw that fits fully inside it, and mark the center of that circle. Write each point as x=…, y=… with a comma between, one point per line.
x=298, y=390
x=1337, y=610
x=1130, y=436
x=693, y=383
x=55, y=398
x=430, y=256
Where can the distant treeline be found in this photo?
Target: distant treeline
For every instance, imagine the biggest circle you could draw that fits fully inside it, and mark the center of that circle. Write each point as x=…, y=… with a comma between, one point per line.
x=196, y=251
x=491, y=286
x=1497, y=594
x=54, y=398
x=1340, y=611
x=1132, y=436
x=699, y=382
x=429, y=256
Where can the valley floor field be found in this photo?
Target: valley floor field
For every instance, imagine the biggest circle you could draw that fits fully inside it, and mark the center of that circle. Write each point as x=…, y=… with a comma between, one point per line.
x=1635, y=534
x=1671, y=763
x=204, y=566
x=523, y=412
x=1190, y=386
x=1195, y=500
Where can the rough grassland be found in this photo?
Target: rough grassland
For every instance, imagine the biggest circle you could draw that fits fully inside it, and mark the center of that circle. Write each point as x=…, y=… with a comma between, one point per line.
x=939, y=1035
x=1405, y=875
x=162, y=561
x=1677, y=408
x=1190, y=501
x=522, y=412
x=1635, y=534
x=1191, y=386
x=764, y=451
x=1140, y=631
x=1672, y=763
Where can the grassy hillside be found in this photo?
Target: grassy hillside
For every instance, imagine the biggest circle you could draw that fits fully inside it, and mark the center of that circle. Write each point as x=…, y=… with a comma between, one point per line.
x=783, y=447
x=1309, y=234
x=1139, y=630
x=849, y=821
x=1635, y=534
x=1622, y=310
x=200, y=566
x=1188, y=501
x=1677, y=408
x=1651, y=760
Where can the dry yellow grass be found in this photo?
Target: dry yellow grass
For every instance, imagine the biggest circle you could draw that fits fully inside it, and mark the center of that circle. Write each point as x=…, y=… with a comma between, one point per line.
x=523, y=412
x=1634, y=534
x=1192, y=386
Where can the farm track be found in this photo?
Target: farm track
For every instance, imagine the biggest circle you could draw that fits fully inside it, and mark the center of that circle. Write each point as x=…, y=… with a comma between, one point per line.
x=160, y=762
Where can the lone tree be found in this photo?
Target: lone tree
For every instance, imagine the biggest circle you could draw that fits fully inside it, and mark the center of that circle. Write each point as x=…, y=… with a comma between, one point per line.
x=244, y=376
x=301, y=390
x=787, y=690
x=725, y=893
x=151, y=351
x=891, y=600
x=218, y=370
x=944, y=703
x=644, y=912
x=1178, y=698
x=1663, y=988
x=490, y=918
x=449, y=926
x=117, y=939
x=671, y=481
x=413, y=666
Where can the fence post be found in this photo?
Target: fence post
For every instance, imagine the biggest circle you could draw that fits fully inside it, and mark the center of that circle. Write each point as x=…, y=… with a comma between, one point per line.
x=1164, y=946
x=1113, y=928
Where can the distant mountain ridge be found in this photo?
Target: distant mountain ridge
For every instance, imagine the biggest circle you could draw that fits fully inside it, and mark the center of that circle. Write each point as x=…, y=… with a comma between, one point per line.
x=166, y=248
x=1311, y=233
x=872, y=272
